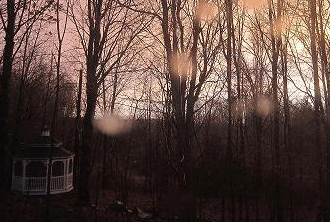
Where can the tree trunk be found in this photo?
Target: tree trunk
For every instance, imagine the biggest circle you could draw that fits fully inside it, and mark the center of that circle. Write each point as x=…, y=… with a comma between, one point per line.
x=4, y=98
x=276, y=44
x=87, y=139
x=78, y=133
x=229, y=153
x=317, y=92
x=229, y=72
x=92, y=59
x=326, y=74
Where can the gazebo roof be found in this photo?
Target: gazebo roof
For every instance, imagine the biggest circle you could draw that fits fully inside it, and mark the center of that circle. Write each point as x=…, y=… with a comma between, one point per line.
x=41, y=152
x=41, y=148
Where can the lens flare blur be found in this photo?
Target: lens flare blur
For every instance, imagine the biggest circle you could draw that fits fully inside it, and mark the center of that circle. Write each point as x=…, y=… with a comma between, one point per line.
x=180, y=64
x=206, y=11
x=281, y=25
x=254, y=4
x=264, y=106
x=112, y=125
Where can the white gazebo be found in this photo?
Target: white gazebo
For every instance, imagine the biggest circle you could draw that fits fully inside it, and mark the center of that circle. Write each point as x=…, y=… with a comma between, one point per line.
x=30, y=167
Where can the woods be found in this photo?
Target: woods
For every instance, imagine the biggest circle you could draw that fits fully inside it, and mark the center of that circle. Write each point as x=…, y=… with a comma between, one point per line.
x=215, y=110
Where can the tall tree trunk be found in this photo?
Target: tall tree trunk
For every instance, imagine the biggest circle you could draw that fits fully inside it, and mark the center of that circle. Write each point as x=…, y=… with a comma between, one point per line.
x=240, y=111
x=78, y=133
x=325, y=73
x=257, y=154
x=60, y=38
x=87, y=139
x=229, y=154
x=229, y=78
x=189, y=123
x=4, y=98
x=104, y=142
x=92, y=86
x=317, y=92
x=114, y=92
x=287, y=125
x=276, y=41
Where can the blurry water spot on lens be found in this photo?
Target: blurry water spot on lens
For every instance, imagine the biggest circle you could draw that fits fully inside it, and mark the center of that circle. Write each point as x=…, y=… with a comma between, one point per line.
x=112, y=125
x=206, y=11
x=254, y=4
x=281, y=24
x=264, y=106
x=180, y=64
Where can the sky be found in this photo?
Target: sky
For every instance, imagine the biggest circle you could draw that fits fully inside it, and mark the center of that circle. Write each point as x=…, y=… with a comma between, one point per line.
x=72, y=59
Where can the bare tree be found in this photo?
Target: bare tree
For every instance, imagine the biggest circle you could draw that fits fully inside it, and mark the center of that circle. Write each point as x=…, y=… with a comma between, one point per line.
x=106, y=33
x=14, y=17
x=276, y=42
x=60, y=37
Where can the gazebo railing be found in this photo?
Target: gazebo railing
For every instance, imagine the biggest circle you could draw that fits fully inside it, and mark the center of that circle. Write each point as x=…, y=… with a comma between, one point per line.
x=39, y=184
x=57, y=183
x=35, y=184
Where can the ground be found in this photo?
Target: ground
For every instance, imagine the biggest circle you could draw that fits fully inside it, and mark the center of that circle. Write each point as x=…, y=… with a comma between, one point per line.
x=65, y=209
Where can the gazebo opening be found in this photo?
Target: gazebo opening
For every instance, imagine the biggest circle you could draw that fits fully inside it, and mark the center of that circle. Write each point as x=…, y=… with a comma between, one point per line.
x=18, y=168
x=58, y=169
x=36, y=169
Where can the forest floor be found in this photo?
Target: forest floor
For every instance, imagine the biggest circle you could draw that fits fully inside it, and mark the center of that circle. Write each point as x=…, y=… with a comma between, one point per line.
x=64, y=209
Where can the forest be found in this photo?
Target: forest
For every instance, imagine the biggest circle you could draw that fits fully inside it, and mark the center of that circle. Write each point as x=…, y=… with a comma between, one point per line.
x=175, y=110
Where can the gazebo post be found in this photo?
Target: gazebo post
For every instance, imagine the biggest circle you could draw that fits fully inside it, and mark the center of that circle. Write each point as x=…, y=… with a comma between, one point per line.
x=65, y=174
x=12, y=173
x=45, y=162
x=47, y=165
x=24, y=162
